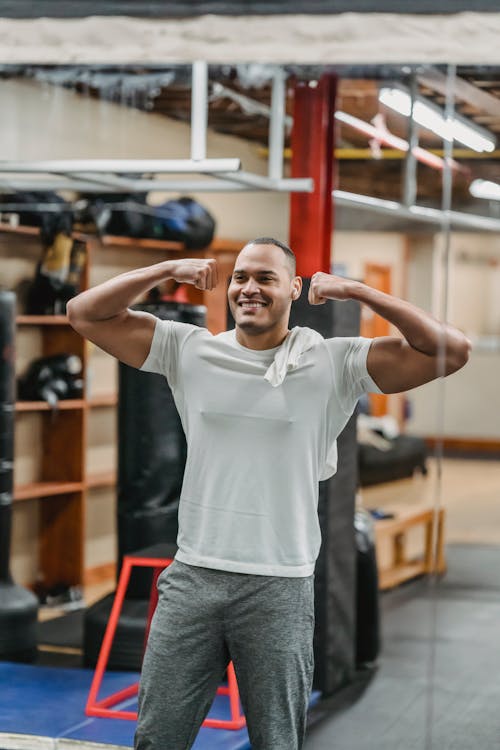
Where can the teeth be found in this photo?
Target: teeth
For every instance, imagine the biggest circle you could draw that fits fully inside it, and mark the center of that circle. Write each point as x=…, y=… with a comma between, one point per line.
x=252, y=304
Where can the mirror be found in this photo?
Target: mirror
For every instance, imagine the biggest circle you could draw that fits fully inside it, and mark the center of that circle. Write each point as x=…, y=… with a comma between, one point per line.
x=414, y=217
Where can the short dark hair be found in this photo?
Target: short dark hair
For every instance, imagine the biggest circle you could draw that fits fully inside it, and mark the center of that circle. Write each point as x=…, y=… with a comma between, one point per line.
x=290, y=255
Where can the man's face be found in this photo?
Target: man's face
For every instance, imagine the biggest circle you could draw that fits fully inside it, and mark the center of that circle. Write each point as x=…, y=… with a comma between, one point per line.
x=261, y=289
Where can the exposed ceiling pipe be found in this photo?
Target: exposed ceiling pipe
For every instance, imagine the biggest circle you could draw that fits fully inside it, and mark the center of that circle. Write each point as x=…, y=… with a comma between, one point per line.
x=382, y=135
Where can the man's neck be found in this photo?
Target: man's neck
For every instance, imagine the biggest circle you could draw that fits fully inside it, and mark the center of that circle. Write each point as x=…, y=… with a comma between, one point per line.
x=261, y=341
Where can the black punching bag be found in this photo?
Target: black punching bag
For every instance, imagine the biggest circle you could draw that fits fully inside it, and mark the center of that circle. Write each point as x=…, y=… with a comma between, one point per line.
x=151, y=454
x=335, y=579
x=18, y=607
x=151, y=460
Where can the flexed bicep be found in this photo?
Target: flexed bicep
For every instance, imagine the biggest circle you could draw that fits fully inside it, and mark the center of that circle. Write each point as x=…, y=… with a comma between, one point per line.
x=395, y=366
x=126, y=336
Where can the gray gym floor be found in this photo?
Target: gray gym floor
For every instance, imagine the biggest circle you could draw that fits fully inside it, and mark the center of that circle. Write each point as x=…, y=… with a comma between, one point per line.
x=437, y=683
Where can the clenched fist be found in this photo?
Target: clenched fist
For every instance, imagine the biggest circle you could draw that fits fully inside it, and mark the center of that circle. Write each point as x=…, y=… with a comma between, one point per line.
x=326, y=286
x=201, y=272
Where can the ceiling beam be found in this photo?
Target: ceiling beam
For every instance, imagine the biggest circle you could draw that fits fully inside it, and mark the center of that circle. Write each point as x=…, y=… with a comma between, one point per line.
x=464, y=91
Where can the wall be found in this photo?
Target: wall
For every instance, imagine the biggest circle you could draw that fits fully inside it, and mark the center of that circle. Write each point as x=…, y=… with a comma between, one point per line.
x=354, y=249
x=74, y=126
x=467, y=404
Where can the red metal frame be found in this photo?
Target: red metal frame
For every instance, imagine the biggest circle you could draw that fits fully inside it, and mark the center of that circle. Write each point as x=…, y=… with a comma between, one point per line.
x=313, y=155
x=104, y=707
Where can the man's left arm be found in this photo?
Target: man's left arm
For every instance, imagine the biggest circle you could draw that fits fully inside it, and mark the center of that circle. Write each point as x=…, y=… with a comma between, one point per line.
x=428, y=349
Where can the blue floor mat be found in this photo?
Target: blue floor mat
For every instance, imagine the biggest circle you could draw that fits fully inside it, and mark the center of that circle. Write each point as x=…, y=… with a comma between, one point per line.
x=46, y=702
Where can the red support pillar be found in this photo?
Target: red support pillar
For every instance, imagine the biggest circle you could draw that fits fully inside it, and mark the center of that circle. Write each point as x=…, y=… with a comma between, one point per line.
x=312, y=142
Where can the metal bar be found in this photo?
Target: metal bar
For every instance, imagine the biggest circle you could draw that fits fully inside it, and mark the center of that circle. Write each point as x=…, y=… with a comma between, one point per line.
x=446, y=203
x=135, y=186
x=415, y=213
x=199, y=110
x=410, y=172
x=214, y=185
x=261, y=182
x=277, y=125
x=123, y=166
x=109, y=180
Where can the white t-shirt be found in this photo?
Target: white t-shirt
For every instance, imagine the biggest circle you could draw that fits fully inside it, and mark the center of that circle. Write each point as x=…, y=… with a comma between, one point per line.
x=255, y=452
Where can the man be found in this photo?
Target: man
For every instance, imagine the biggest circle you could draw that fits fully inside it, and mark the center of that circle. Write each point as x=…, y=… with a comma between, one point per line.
x=261, y=408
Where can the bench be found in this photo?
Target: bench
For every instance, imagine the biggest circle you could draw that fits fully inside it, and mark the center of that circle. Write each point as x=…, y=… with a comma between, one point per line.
x=394, y=562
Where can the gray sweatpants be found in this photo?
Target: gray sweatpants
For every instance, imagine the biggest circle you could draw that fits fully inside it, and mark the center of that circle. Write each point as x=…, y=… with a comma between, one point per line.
x=205, y=618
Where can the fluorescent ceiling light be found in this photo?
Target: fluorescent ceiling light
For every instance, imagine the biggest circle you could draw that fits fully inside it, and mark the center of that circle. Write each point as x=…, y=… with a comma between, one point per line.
x=485, y=189
x=432, y=118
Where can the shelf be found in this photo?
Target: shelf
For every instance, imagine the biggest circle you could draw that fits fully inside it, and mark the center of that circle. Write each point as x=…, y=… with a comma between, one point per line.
x=42, y=320
x=45, y=489
x=63, y=405
x=218, y=244
x=101, y=479
x=29, y=231
x=143, y=243
x=103, y=399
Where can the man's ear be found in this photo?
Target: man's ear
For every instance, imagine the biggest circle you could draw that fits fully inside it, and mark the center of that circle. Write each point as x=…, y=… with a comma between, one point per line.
x=297, y=284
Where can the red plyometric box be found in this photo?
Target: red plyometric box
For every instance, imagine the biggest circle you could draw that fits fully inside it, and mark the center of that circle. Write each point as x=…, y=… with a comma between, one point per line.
x=104, y=707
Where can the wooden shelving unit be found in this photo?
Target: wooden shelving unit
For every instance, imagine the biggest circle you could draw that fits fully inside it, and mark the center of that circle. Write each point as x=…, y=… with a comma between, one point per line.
x=45, y=489
x=101, y=479
x=42, y=320
x=69, y=404
x=65, y=480
x=103, y=399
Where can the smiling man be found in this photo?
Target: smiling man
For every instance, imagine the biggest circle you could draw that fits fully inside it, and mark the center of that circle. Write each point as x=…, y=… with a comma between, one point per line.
x=261, y=407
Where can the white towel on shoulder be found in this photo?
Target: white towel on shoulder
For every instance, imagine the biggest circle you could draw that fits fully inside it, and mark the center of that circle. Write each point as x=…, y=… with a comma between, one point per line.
x=287, y=358
x=298, y=341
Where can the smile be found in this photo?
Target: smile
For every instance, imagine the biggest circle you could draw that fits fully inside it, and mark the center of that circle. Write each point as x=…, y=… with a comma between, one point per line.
x=252, y=305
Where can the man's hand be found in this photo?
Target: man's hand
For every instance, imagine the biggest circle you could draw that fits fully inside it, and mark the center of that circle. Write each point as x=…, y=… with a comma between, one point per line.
x=102, y=313
x=326, y=286
x=202, y=272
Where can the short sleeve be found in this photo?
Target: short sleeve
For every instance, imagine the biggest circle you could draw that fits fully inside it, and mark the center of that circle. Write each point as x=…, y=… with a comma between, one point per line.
x=168, y=339
x=352, y=378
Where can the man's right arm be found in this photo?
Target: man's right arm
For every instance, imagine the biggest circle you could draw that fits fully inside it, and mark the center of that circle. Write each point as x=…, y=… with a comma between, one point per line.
x=101, y=314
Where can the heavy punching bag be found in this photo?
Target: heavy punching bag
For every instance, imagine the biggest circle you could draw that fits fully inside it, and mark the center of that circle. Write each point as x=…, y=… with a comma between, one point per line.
x=335, y=579
x=151, y=460
x=18, y=607
x=151, y=454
